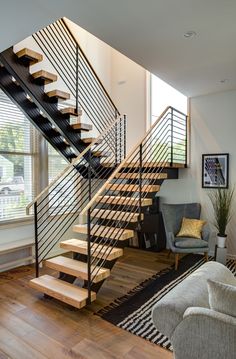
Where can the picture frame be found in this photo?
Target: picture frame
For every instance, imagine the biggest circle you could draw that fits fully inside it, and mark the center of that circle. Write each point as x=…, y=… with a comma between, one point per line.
x=215, y=170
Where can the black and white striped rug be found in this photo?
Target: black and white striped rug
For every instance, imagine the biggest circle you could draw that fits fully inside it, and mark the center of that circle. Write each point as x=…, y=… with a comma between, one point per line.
x=132, y=312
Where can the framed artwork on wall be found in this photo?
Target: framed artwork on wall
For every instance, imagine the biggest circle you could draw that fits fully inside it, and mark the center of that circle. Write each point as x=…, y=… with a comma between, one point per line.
x=215, y=170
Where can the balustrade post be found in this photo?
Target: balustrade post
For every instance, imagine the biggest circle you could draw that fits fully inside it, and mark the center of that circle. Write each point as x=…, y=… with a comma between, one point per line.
x=36, y=240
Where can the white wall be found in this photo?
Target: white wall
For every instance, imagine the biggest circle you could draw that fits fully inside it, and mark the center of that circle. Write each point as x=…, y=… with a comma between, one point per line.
x=129, y=93
x=213, y=130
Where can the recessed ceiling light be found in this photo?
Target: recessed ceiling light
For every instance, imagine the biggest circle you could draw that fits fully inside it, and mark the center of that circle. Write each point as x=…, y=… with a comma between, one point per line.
x=190, y=34
x=223, y=81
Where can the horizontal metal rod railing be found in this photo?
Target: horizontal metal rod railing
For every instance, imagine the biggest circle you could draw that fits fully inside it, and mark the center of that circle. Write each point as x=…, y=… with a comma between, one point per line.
x=159, y=148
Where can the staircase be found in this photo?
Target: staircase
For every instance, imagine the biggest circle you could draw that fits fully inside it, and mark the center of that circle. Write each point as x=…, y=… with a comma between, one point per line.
x=111, y=213
x=93, y=208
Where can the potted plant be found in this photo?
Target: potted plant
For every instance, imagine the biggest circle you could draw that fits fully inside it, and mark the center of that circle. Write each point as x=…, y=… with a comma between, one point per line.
x=221, y=200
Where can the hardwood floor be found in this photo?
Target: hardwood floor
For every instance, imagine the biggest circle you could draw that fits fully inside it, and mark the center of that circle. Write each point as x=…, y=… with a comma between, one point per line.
x=33, y=327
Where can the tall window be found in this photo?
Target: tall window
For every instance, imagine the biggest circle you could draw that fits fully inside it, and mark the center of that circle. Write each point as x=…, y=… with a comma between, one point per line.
x=16, y=160
x=163, y=95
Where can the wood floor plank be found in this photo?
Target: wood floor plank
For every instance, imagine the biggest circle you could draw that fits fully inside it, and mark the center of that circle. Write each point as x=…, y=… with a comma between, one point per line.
x=35, y=327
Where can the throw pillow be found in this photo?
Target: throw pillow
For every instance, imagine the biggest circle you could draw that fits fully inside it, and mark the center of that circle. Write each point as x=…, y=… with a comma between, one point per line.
x=222, y=297
x=191, y=228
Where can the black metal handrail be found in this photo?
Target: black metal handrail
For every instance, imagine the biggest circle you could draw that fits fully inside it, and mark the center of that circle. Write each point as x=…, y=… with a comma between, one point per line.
x=67, y=57
x=165, y=144
x=59, y=205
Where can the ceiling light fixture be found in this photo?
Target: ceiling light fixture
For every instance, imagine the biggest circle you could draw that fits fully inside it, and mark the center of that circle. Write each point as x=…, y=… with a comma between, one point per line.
x=223, y=81
x=190, y=34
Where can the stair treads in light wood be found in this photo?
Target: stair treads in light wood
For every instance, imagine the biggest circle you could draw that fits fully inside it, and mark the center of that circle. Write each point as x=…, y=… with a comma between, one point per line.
x=32, y=56
x=125, y=201
x=71, y=111
x=153, y=164
x=76, y=268
x=105, y=232
x=82, y=127
x=58, y=94
x=97, y=250
x=46, y=76
x=151, y=176
x=116, y=215
x=89, y=140
x=132, y=187
x=63, y=291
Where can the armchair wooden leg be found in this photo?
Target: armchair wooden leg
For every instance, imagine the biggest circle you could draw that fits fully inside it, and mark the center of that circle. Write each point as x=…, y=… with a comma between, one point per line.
x=169, y=253
x=206, y=256
x=176, y=260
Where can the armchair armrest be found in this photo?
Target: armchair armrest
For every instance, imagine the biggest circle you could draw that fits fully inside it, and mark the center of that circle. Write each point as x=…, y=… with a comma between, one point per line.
x=205, y=333
x=170, y=238
x=206, y=233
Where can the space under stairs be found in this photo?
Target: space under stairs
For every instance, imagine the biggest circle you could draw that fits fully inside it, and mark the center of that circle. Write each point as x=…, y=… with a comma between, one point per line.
x=102, y=214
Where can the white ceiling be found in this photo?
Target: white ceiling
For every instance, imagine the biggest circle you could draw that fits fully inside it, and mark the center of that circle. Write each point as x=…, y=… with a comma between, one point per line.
x=150, y=32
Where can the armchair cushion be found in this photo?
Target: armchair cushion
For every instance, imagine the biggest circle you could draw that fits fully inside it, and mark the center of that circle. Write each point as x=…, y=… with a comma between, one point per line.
x=222, y=297
x=190, y=243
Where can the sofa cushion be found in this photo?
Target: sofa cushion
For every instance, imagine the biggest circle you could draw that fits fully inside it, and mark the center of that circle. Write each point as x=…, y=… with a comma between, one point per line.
x=222, y=297
x=191, y=292
x=190, y=243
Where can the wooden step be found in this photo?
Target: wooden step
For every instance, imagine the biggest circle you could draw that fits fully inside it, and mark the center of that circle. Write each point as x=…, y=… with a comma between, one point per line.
x=63, y=291
x=153, y=164
x=105, y=231
x=82, y=127
x=32, y=57
x=125, y=201
x=132, y=187
x=58, y=94
x=89, y=140
x=76, y=268
x=43, y=76
x=101, y=154
x=149, y=176
x=130, y=217
x=71, y=111
x=97, y=250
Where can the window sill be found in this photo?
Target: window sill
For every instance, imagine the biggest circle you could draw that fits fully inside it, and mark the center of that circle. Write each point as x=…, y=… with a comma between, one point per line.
x=12, y=223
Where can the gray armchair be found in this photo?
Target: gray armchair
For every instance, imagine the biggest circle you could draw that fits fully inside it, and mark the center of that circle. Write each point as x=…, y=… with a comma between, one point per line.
x=172, y=217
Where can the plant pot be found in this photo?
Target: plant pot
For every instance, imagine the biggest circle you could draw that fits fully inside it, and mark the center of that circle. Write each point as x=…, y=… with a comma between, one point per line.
x=221, y=241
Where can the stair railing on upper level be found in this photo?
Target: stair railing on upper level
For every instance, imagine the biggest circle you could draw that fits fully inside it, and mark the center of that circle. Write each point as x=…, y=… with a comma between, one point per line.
x=67, y=57
x=59, y=205
x=165, y=144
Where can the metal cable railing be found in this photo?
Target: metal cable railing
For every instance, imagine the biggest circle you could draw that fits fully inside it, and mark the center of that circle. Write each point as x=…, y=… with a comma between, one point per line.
x=165, y=144
x=60, y=204
x=67, y=57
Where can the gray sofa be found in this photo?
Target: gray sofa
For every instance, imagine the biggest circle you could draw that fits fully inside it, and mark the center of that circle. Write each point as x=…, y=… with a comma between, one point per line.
x=184, y=316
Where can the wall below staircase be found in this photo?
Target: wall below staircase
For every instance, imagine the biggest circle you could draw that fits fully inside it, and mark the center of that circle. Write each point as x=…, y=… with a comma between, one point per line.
x=213, y=130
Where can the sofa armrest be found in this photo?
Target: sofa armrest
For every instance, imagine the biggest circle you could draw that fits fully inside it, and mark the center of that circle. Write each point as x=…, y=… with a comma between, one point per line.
x=170, y=238
x=205, y=333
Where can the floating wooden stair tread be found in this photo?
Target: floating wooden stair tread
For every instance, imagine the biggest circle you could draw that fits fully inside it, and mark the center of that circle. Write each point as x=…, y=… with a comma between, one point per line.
x=153, y=164
x=105, y=232
x=32, y=56
x=89, y=140
x=82, y=127
x=133, y=187
x=135, y=175
x=101, y=154
x=71, y=111
x=116, y=215
x=125, y=201
x=76, y=268
x=58, y=94
x=63, y=291
x=97, y=250
x=45, y=76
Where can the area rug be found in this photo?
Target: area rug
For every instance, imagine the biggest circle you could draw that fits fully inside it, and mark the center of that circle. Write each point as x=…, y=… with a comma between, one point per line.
x=132, y=312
